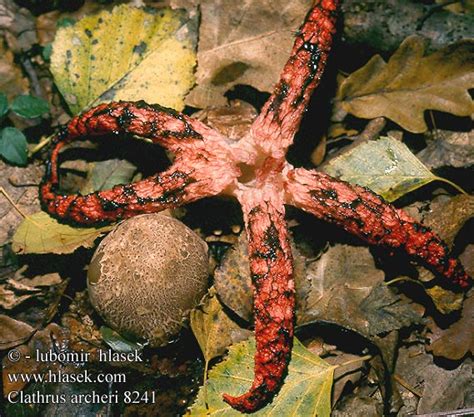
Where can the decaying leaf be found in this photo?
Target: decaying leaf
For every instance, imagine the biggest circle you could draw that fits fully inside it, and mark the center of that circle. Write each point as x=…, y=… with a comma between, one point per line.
x=410, y=83
x=40, y=233
x=126, y=54
x=305, y=392
x=13, y=332
x=346, y=289
x=385, y=311
x=447, y=216
x=457, y=340
x=386, y=166
x=103, y=175
x=215, y=331
x=454, y=149
x=12, y=81
x=440, y=388
x=243, y=44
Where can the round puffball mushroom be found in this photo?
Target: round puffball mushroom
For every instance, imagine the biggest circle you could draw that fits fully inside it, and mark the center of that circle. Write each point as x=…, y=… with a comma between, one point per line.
x=146, y=276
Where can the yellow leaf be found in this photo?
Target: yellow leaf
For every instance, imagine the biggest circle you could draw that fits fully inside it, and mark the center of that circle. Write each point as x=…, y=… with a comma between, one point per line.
x=305, y=392
x=40, y=233
x=126, y=54
x=213, y=328
x=411, y=83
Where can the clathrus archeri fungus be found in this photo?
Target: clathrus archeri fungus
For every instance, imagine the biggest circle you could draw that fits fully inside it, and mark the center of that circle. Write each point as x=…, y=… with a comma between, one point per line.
x=253, y=170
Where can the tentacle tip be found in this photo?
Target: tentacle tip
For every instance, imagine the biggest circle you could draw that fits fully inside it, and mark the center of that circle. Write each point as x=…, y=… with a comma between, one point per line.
x=243, y=403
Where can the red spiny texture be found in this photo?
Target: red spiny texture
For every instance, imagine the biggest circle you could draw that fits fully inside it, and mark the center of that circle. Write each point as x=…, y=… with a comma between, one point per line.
x=365, y=214
x=271, y=268
x=253, y=170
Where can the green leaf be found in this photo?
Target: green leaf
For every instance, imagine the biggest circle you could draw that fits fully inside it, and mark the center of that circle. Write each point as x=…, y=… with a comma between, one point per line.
x=305, y=392
x=3, y=105
x=117, y=342
x=105, y=174
x=46, y=52
x=411, y=83
x=29, y=106
x=40, y=233
x=126, y=54
x=386, y=166
x=13, y=146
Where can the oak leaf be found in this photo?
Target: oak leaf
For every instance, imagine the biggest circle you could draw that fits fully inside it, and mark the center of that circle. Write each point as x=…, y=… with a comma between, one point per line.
x=410, y=83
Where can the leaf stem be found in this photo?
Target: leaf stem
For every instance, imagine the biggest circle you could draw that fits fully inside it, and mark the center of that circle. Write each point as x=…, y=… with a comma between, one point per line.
x=452, y=184
x=40, y=145
x=399, y=279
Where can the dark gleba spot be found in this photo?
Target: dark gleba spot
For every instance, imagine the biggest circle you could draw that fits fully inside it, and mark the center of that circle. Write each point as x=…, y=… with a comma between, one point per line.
x=140, y=48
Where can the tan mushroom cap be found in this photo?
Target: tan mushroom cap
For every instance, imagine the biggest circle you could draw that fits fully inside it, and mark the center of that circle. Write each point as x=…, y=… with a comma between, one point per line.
x=146, y=276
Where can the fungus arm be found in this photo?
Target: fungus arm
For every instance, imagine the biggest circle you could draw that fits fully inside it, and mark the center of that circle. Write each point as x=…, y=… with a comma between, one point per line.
x=363, y=213
x=271, y=270
x=199, y=170
x=281, y=115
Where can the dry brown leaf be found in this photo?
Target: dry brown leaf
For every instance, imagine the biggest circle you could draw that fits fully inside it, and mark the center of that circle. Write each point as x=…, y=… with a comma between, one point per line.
x=12, y=82
x=458, y=339
x=411, y=83
x=13, y=332
x=233, y=121
x=243, y=44
x=346, y=374
x=454, y=149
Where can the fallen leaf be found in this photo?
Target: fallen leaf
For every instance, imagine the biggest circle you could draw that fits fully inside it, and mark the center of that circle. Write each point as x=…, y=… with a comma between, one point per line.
x=347, y=289
x=52, y=337
x=243, y=44
x=233, y=120
x=213, y=328
x=21, y=185
x=13, y=332
x=454, y=149
x=12, y=81
x=386, y=166
x=457, y=340
x=9, y=299
x=305, y=392
x=41, y=233
x=441, y=389
x=411, y=83
x=103, y=175
x=347, y=374
x=126, y=54
x=386, y=311
x=448, y=215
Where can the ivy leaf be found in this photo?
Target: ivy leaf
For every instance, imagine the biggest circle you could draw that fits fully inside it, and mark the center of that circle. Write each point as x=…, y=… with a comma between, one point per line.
x=29, y=107
x=410, y=83
x=305, y=392
x=13, y=146
x=41, y=233
x=3, y=105
x=386, y=166
x=126, y=54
